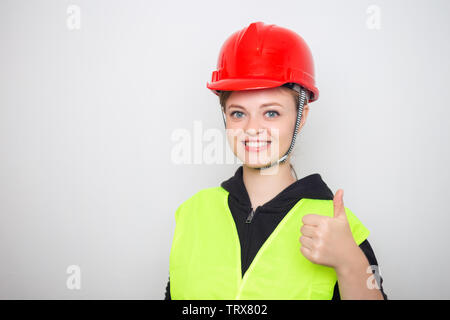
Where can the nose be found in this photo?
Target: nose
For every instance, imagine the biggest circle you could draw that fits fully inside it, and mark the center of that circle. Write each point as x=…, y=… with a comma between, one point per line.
x=253, y=126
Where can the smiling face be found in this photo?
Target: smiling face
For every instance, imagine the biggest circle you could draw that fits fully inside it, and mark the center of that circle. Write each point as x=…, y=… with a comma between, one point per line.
x=260, y=124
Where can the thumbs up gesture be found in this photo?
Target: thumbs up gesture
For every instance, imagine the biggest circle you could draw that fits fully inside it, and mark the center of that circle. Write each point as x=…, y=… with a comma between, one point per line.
x=328, y=240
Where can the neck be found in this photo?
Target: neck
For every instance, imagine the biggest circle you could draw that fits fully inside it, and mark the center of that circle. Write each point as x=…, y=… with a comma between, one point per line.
x=264, y=185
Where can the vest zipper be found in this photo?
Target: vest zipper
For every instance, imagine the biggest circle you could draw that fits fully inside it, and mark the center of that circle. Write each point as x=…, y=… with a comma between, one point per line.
x=250, y=216
x=248, y=229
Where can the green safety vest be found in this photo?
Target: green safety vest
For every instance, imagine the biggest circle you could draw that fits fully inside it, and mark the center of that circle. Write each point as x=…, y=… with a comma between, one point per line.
x=205, y=258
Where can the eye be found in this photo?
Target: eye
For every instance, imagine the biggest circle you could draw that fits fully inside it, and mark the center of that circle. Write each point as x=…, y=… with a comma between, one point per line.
x=235, y=112
x=273, y=113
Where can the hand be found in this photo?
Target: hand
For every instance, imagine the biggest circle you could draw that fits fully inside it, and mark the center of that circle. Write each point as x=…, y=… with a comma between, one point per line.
x=328, y=240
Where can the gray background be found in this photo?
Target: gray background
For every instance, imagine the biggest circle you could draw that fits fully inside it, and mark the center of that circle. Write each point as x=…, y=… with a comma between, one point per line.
x=86, y=118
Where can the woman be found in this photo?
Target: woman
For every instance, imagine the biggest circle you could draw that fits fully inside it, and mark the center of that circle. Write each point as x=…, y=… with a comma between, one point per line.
x=263, y=234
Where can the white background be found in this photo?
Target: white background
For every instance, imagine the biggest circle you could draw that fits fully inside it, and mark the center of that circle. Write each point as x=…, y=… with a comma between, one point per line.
x=86, y=118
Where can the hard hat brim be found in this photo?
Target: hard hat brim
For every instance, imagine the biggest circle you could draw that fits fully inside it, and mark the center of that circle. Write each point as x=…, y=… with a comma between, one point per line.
x=243, y=84
x=249, y=84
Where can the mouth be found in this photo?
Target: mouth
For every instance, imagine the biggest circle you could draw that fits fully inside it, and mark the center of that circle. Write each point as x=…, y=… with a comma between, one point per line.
x=256, y=145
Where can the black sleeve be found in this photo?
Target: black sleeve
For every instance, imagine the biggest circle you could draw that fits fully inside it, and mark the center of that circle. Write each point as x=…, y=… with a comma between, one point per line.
x=167, y=297
x=370, y=255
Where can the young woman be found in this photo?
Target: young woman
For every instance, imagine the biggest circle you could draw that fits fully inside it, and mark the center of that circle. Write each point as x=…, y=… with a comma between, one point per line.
x=264, y=234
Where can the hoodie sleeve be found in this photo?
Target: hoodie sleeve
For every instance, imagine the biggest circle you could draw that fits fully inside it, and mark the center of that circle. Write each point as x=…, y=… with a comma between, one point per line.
x=167, y=296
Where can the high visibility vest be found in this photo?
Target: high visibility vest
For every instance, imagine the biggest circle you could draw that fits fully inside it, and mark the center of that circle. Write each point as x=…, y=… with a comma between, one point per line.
x=205, y=257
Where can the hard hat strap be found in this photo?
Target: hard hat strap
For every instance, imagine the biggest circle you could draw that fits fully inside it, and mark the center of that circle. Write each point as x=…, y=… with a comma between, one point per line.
x=223, y=116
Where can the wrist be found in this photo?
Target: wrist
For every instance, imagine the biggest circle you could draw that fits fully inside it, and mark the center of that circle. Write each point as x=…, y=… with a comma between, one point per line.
x=355, y=262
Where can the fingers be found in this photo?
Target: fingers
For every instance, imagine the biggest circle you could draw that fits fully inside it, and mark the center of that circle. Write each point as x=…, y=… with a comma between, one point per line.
x=312, y=219
x=308, y=233
x=307, y=252
x=308, y=230
x=306, y=242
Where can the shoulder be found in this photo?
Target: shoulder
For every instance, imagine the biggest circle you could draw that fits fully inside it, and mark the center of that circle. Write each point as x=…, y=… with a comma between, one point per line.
x=206, y=193
x=206, y=196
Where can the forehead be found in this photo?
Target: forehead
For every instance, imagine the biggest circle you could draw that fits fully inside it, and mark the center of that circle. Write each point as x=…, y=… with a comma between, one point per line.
x=256, y=97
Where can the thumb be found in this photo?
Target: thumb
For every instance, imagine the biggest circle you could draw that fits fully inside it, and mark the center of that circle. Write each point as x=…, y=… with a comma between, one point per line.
x=338, y=204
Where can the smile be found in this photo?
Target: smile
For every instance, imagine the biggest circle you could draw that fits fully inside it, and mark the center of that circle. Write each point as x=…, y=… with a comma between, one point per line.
x=256, y=145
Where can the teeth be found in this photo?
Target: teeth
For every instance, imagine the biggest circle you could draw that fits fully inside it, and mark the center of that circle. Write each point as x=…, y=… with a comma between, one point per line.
x=256, y=144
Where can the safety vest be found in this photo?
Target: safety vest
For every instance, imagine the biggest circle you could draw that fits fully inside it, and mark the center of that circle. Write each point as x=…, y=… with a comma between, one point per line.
x=205, y=258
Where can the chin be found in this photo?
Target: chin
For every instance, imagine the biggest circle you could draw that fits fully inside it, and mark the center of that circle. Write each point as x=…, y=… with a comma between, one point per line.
x=258, y=164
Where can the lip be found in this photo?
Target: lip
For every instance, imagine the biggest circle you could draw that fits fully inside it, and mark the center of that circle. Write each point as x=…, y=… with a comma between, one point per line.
x=256, y=149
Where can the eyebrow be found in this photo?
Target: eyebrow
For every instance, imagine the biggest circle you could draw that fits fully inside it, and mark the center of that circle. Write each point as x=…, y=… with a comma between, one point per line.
x=268, y=104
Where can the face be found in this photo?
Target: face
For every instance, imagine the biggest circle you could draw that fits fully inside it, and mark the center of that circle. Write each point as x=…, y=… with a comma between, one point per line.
x=260, y=124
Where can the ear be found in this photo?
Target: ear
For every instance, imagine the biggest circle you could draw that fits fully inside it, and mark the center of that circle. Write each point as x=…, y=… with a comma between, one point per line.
x=304, y=116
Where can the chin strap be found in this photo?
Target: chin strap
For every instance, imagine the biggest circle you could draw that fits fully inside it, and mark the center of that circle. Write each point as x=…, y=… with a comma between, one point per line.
x=301, y=98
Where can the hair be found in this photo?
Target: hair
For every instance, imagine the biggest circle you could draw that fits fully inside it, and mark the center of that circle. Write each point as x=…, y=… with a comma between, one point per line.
x=225, y=95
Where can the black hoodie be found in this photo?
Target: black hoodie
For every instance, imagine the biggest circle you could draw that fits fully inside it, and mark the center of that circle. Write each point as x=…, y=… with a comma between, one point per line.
x=266, y=217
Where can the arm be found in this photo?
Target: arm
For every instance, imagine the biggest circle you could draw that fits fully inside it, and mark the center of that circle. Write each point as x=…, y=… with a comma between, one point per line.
x=370, y=255
x=353, y=277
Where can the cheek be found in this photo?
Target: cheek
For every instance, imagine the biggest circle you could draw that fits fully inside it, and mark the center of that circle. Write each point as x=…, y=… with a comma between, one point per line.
x=237, y=127
x=281, y=134
x=281, y=131
x=234, y=135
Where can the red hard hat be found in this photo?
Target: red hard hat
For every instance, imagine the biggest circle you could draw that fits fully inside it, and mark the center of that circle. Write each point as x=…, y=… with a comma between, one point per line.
x=264, y=56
